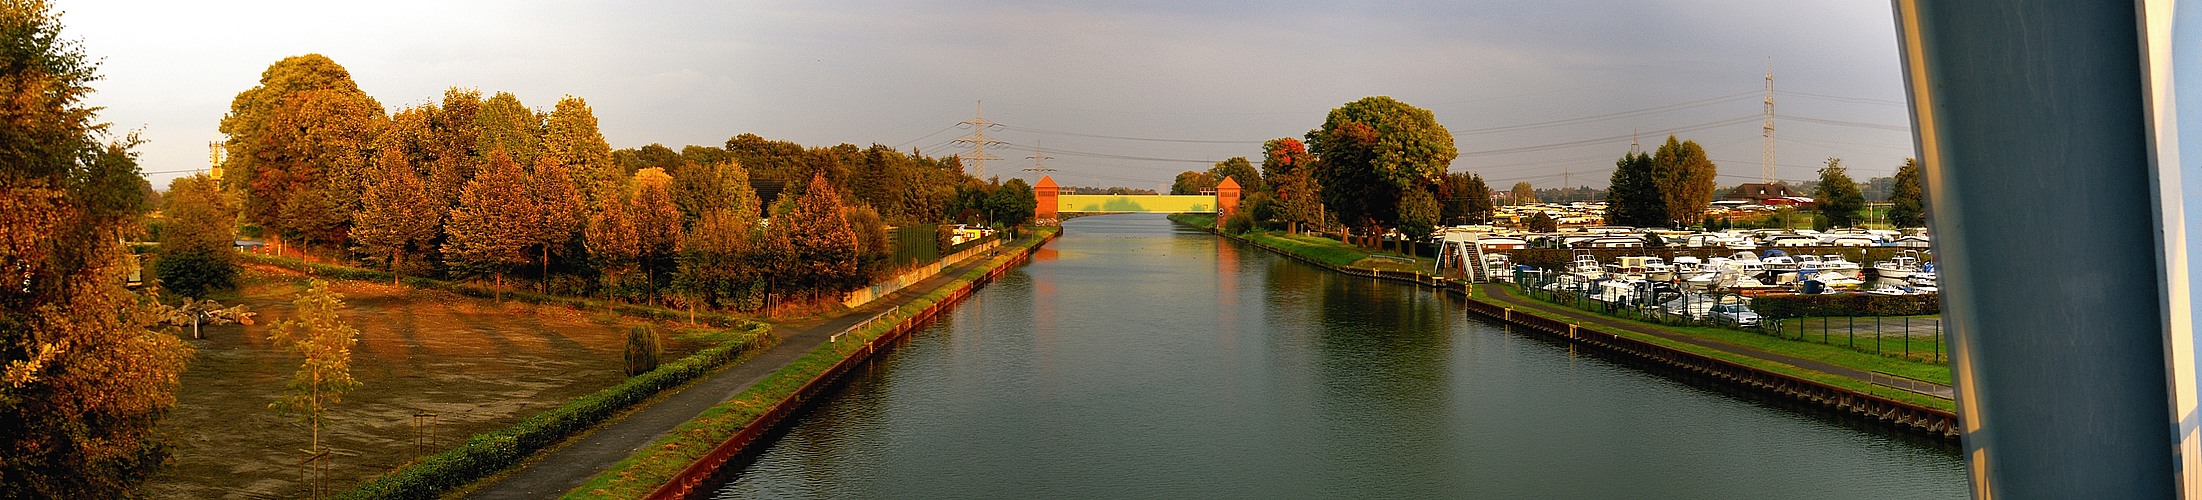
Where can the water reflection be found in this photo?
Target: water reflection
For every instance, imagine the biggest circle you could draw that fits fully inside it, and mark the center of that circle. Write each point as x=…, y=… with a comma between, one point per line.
x=1152, y=361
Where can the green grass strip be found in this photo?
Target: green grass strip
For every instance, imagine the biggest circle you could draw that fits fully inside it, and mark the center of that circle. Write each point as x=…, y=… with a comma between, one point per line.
x=657, y=464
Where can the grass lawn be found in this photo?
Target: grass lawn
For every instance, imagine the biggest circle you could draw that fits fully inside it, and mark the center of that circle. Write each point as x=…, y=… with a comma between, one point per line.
x=477, y=364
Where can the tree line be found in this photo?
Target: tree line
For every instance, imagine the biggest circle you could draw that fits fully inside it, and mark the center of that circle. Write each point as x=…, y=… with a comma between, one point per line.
x=487, y=187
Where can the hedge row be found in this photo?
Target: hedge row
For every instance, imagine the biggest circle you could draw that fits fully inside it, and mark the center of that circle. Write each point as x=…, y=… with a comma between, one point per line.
x=488, y=453
x=665, y=458
x=360, y=274
x=1849, y=304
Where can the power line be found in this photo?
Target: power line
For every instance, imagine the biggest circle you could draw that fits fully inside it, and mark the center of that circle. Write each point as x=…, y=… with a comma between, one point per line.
x=1846, y=123
x=1586, y=142
x=1145, y=139
x=1837, y=98
x=1609, y=116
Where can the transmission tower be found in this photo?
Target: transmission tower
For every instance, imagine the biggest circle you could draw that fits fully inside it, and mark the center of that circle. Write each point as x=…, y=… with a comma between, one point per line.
x=1039, y=155
x=1766, y=162
x=975, y=161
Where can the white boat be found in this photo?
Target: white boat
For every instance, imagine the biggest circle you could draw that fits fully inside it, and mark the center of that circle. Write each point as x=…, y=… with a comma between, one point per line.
x=1586, y=266
x=1498, y=267
x=1747, y=263
x=1656, y=269
x=1837, y=263
x=1687, y=265
x=1808, y=262
x=1899, y=267
x=1779, y=264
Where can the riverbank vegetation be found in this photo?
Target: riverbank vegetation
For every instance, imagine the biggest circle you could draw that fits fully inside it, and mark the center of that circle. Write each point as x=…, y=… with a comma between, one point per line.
x=658, y=463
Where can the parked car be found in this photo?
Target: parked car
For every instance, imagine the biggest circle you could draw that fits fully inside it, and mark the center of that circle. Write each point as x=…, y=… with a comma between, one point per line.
x=1735, y=314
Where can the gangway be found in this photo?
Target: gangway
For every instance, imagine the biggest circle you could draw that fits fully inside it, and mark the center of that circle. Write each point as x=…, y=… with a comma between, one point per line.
x=1464, y=251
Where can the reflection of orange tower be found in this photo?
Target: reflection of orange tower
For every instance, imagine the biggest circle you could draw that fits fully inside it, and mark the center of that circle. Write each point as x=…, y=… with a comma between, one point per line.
x=1044, y=212
x=1227, y=199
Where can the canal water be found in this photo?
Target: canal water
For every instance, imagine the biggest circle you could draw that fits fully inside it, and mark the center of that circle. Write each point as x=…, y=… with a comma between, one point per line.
x=1138, y=359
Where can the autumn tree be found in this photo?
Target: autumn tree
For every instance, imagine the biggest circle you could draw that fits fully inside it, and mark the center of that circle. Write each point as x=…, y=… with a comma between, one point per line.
x=610, y=241
x=324, y=341
x=1837, y=197
x=298, y=147
x=1238, y=169
x=558, y=212
x=86, y=370
x=1283, y=156
x=1907, y=202
x=1373, y=150
x=1464, y=198
x=1634, y=198
x=1684, y=177
x=1523, y=193
x=810, y=251
x=1543, y=223
x=196, y=253
x=1191, y=182
x=657, y=225
x=491, y=230
x=1299, y=199
x=397, y=216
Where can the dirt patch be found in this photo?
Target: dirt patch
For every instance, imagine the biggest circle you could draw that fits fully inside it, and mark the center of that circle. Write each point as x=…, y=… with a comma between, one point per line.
x=476, y=364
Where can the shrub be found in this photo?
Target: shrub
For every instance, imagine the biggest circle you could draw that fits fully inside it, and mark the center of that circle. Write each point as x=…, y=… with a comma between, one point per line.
x=643, y=349
x=192, y=274
x=1799, y=306
x=1239, y=223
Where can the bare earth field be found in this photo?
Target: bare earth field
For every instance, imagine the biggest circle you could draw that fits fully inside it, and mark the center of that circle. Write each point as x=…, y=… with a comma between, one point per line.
x=476, y=364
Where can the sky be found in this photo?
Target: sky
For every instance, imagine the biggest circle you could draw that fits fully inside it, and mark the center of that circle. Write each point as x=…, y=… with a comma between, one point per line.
x=1117, y=93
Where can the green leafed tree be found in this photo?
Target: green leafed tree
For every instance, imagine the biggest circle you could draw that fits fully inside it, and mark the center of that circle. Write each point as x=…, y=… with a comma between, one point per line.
x=1191, y=182
x=1634, y=198
x=1907, y=201
x=196, y=255
x=86, y=372
x=1372, y=151
x=570, y=135
x=503, y=123
x=1013, y=204
x=1543, y=223
x=324, y=342
x=721, y=186
x=1238, y=169
x=1684, y=177
x=1837, y=197
x=1418, y=215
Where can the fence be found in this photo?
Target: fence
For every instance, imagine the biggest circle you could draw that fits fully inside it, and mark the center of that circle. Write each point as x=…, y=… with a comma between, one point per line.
x=1912, y=338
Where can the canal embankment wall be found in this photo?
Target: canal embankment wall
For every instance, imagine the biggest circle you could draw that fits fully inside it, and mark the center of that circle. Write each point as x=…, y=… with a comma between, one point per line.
x=900, y=323
x=1887, y=412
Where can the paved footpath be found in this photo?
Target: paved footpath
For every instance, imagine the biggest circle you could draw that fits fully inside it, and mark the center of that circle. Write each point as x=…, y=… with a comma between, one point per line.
x=575, y=463
x=1508, y=296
